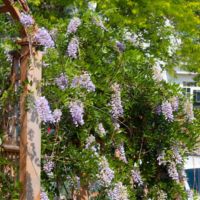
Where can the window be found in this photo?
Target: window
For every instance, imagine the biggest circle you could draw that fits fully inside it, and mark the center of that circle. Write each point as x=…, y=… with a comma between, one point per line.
x=196, y=96
x=189, y=84
x=187, y=92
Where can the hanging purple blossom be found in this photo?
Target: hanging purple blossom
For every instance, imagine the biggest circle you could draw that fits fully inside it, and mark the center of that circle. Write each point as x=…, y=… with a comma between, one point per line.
x=90, y=144
x=83, y=81
x=43, y=196
x=119, y=192
x=161, y=158
x=43, y=38
x=106, y=174
x=158, y=110
x=75, y=82
x=57, y=113
x=73, y=25
x=120, y=152
x=98, y=22
x=62, y=81
x=89, y=141
x=48, y=166
x=158, y=74
x=77, y=111
x=73, y=182
x=72, y=49
x=176, y=155
x=26, y=20
x=136, y=177
x=86, y=82
x=174, y=103
x=167, y=111
x=121, y=47
x=172, y=171
x=101, y=130
x=116, y=104
x=43, y=109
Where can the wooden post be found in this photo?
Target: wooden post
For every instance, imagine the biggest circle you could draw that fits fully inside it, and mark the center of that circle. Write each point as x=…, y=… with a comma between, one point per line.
x=30, y=133
x=30, y=136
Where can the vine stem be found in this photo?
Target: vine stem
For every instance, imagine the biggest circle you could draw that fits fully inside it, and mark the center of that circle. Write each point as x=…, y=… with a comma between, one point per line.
x=141, y=146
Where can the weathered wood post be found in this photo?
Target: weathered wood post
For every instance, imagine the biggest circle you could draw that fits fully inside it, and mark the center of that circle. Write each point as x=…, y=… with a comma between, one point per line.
x=30, y=135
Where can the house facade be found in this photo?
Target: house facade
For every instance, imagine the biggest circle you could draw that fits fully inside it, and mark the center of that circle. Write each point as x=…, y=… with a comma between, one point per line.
x=186, y=80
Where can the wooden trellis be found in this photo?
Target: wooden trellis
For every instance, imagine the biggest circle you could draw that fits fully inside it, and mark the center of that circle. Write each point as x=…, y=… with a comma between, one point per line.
x=23, y=136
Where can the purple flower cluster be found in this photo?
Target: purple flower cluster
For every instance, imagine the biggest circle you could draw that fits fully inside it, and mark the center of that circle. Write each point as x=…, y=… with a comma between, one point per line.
x=62, y=81
x=176, y=155
x=106, y=174
x=43, y=196
x=77, y=111
x=172, y=171
x=171, y=161
x=89, y=141
x=121, y=47
x=90, y=144
x=101, y=130
x=73, y=25
x=157, y=70
x=26, y=20
x=48, y=166
x=73, y=182
x=116, y=104
x=43, y=109
x=174, y=103
x=98, y=21
x=83, y=81
x=72, y=49
x=167, y=110
x=136, y=177
x=57, y=113
x=119, y=192
x=161, y=158
x=122, y=155
x=45, y=113
x=43, y=38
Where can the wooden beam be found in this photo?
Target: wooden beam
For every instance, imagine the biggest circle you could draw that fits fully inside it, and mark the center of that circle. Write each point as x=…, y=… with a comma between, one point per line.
x=30, y=136
x=15, y=15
